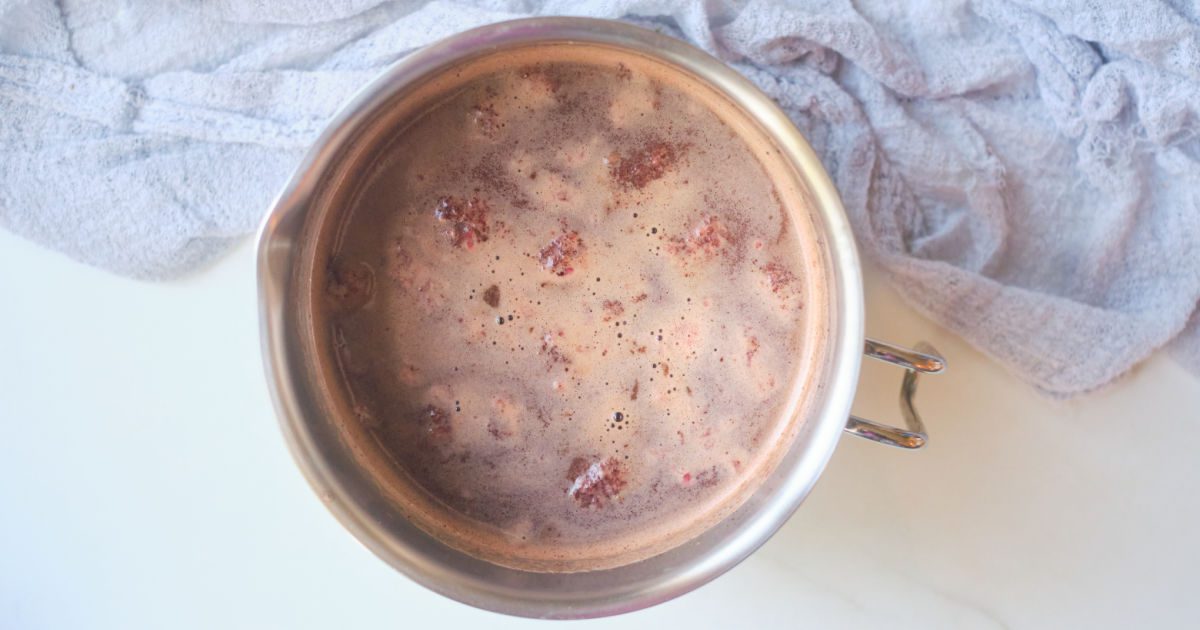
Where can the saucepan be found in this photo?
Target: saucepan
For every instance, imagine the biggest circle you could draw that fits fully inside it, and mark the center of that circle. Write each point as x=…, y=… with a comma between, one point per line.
x=328, y=460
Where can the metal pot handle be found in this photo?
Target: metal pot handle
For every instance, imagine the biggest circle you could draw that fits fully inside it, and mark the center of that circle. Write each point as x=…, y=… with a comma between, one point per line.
x=923, y=360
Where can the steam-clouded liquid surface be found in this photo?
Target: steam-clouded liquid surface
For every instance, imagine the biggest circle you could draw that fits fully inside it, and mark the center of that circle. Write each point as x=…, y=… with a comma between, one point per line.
x=568, y=305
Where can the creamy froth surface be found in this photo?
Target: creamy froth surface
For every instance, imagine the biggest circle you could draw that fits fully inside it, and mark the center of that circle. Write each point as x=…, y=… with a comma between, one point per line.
x=571, y=307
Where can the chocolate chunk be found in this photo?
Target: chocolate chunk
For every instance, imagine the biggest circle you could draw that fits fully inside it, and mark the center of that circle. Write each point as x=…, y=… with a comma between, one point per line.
x=491, y=296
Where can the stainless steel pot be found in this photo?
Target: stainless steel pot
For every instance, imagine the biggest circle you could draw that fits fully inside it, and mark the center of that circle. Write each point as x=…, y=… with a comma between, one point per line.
x=355, y=499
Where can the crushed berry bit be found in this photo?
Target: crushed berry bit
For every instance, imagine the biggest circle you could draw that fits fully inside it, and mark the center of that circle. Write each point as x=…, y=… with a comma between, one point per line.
x=496, y=431
x=486, y=119
x=560, y=254
x=612, y=308
x=708, y=478
x=436, y=424
x=778, y=276
x=553, y=354
x=597, y=483
x=468, y=219
x=752, y=349
x=641, y=297
x=644, y=165
x=708, y=237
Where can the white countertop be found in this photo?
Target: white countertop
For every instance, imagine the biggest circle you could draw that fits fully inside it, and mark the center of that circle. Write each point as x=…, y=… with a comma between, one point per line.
x=144, y=484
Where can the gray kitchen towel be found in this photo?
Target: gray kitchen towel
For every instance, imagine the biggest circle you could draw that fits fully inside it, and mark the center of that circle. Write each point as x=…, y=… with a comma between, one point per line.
x=1027, y=174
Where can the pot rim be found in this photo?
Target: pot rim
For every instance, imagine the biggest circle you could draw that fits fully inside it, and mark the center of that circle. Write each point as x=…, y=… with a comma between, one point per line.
x=281, y=228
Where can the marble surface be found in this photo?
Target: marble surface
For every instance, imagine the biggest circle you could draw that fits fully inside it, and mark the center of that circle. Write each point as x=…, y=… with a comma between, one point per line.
x=143, y=484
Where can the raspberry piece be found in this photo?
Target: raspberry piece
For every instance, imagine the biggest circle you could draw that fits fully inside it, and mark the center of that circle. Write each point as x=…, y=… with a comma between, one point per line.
x=644, y=165
x=467, y=218
x=613, y=309
x=597, y=483
x=708, y=237
x=560, y=254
